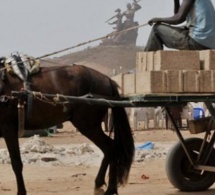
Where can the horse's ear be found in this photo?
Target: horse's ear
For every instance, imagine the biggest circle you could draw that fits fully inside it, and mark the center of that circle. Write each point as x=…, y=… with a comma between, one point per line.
x=2, y=72
x=2, y=60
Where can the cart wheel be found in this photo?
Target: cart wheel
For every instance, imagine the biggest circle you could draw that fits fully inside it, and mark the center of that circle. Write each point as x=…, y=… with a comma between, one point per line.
x=181, y=173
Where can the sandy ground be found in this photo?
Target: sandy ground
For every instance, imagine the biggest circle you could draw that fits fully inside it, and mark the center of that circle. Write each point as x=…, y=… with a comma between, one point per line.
x=78, y=179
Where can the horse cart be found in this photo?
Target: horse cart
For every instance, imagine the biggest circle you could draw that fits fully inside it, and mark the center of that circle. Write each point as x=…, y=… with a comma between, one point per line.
x=190, y=164
x=82, y=96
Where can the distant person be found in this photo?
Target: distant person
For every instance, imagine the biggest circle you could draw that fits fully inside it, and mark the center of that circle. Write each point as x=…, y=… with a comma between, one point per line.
x=130, y=12
x=118, y=20
x=197, y=34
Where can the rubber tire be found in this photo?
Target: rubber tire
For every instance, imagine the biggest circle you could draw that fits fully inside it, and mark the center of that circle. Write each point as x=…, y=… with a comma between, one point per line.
x=180, y=172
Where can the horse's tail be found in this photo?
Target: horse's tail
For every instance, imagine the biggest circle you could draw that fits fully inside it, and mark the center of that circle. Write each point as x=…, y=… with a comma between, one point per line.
x=123, y=139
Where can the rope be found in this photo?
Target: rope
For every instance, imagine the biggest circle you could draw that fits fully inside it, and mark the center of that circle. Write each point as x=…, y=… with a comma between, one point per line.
x=81, y=44
x=41, y=97
x=64, y=99
x=91, y=41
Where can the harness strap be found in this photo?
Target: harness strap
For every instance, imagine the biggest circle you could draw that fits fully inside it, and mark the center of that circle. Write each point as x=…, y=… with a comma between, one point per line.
x=21, y=118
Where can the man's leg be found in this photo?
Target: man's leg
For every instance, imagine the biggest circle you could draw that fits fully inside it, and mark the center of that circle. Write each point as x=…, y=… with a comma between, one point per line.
x=171, y=37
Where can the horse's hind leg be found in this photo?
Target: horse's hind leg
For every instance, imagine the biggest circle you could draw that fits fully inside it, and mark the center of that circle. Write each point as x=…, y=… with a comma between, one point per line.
x=112, y=187
x=106, y=144
x=11, y=139
x=108, y=151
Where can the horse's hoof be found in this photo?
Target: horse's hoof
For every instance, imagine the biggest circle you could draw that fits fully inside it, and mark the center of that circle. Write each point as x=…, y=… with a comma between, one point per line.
x=99, y=191
x=111, y=193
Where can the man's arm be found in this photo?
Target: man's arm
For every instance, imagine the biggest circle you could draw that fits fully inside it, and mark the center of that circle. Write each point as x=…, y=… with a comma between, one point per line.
x=177, y=18
x=136, y=7
x=110, y=19
x=176, y=6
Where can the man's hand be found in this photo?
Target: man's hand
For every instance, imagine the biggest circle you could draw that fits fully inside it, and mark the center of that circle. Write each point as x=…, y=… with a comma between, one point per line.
x=154, y=20
x=180, y=15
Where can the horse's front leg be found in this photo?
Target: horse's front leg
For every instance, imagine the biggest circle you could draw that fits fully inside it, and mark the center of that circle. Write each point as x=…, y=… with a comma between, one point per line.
x=11, y=138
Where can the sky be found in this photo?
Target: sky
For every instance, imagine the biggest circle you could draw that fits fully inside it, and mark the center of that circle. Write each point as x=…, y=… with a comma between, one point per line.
x=40, y=27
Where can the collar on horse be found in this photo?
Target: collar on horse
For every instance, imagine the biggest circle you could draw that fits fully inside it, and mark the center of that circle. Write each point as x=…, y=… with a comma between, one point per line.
x=23, y=66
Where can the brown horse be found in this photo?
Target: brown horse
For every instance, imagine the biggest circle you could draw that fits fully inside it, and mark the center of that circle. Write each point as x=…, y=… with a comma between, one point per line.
x=74, y=80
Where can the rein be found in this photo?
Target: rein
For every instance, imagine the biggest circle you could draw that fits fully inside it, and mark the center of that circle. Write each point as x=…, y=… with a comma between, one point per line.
x=93, y=40
x=83, y=43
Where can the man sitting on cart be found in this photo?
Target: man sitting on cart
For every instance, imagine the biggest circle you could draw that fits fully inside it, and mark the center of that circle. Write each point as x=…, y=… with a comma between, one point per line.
x=197, y=34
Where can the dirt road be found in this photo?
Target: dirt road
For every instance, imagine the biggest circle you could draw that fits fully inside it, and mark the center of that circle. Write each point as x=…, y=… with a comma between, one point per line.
x=147, y=176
